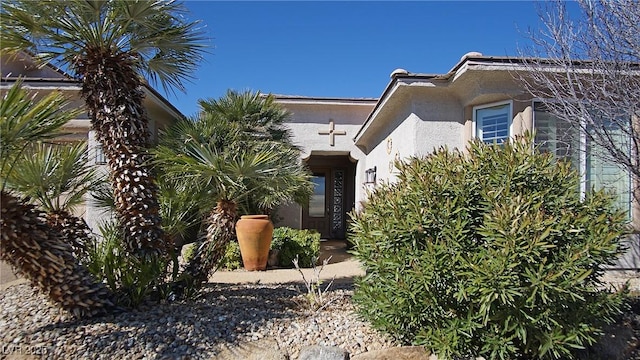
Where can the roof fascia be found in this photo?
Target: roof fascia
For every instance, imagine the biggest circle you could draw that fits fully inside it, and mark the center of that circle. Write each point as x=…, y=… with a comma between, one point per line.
x=294, y=100
x=396, y=82
x=162, y=101
x=73, y=84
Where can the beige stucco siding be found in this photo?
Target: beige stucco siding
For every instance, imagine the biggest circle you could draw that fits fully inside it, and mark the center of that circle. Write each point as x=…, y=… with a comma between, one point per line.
x=309, y=116
x=424, y=121
x=439, y=122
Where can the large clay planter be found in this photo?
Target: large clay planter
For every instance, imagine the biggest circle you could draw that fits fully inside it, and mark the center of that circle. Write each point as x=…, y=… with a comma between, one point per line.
x=254, y=236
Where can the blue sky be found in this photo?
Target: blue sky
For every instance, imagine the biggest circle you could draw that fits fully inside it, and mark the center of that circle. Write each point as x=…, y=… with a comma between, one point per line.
x=344, y=49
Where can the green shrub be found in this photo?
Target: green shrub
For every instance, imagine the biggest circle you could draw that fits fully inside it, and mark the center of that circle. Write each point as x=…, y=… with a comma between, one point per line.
x=232, y=259
x=189, y=251
x=291, y=242
x=490, y=253
x=131, y=278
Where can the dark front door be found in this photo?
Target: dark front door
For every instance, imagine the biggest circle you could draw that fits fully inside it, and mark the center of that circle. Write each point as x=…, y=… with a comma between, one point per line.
x=333, y=196
x=318, y=214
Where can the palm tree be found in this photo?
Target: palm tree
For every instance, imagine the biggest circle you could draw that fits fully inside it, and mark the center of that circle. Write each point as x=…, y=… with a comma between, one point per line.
x=110, y=46
x=56, y=178
x=216, y=157
x=257, y=115
x=250, y=117
x=28, y=242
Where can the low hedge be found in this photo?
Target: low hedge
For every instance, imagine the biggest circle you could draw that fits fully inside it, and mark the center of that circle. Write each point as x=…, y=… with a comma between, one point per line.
x=291, y=242
x=288, y=242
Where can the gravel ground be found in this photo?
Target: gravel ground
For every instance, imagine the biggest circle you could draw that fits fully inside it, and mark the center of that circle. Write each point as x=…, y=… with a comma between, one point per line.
x=224, y=316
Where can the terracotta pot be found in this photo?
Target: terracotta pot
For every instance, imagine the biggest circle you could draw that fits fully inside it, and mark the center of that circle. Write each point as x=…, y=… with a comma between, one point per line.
x=254, y=237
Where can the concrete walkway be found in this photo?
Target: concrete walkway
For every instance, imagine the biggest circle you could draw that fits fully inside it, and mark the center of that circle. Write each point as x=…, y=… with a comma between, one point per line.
x=6, y=273
x=342, y=267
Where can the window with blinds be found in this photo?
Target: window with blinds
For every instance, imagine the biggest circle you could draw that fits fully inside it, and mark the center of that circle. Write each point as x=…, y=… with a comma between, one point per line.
x=493, y=122
x=568, y=142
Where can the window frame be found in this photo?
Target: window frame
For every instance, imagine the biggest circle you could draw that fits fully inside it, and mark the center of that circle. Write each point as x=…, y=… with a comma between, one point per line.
x=99, y=156
x=475, y=109
x=584, y=157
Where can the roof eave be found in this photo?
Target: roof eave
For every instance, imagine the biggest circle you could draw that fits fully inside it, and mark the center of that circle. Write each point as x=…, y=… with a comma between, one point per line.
x=150, y=92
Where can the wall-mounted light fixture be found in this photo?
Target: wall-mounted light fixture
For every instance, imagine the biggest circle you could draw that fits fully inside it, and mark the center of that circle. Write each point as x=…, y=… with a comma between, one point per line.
x=370, y=175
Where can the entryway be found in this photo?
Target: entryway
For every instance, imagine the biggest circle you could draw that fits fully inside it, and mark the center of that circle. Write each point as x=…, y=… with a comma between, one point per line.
x=333, y=196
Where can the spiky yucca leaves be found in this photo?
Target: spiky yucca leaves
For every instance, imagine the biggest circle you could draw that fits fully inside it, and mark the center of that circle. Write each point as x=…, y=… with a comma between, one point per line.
x=229, y=172
x=110, y=46
x=55, y=176
x=27, y=241
x=25, y=121
x=258, y=115
x=42, y=255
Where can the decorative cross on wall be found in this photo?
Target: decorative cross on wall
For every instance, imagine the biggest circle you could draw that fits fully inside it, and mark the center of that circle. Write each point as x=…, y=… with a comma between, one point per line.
x=332, y=132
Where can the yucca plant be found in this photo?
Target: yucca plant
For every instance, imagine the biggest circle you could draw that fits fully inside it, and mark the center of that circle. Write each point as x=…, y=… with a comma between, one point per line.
x=258, y=115
x=132, y=280
x=36, y=250
x=110, y=46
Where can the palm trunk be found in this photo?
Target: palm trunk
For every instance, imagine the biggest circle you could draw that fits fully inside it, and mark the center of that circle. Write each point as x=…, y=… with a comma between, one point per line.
x=220, y=233
x=113, y=94
x=44, y=257
x=74, y=230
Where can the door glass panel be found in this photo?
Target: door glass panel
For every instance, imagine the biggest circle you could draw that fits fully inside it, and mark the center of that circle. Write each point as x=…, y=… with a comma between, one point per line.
x=317, y=201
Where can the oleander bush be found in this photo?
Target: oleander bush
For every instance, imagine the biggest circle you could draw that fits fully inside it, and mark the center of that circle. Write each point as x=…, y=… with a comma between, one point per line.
x=491, y=253
x=291, y=243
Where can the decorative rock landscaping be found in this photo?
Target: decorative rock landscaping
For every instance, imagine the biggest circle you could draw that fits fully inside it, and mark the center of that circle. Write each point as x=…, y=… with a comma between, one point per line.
x=226, y=322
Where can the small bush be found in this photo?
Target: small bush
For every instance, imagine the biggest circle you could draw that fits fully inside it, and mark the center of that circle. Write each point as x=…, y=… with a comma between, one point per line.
x=131, y=278
x=292, y=243
x=232, y=259
x=316, y=298
x=490, y=253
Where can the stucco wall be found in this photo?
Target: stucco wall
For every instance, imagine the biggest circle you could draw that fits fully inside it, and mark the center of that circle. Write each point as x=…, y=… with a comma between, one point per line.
x=428, y=119
x=308, y=117
x=439, y=122
x=392, y=140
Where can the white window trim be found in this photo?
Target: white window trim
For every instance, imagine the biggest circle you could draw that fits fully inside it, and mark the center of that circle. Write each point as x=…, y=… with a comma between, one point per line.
x=582, y=153
x=474, y=126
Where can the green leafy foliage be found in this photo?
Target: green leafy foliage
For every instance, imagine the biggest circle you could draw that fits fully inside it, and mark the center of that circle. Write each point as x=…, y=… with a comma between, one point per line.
x=235, y=155
x=168, y=46
x=55, y=176
x=232, y=259
x=290, y=243
x=25, y=120
x=294, y=243
x=488, y=253
x=133, y=279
